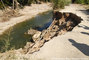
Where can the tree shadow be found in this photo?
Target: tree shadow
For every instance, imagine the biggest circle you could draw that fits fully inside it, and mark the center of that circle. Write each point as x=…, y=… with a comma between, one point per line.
x=85, y=27
x=85, y=11
x=82, y=47
x=85, y=33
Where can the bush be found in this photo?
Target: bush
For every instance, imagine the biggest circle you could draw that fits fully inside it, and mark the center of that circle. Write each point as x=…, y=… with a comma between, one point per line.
x=1, y=6
x=82, y=1
x=5, y=42
x=79, y=1
x=86, y=1
x=67, y=2
x=60, y=3
x=57, y=3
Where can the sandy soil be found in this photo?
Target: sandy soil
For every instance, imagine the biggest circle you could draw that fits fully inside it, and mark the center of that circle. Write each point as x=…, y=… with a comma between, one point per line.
x=73, y=45
x=27, y=13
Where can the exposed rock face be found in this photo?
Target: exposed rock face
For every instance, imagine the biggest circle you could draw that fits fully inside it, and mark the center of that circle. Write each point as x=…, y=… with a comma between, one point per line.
x=62, y=22
x=57, y=15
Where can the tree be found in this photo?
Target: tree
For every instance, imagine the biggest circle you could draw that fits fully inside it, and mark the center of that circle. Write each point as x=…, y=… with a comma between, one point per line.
x=3, y=5
x=15, y=4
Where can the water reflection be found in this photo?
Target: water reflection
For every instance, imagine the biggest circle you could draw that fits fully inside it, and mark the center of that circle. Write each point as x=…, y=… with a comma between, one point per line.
x=19, y=39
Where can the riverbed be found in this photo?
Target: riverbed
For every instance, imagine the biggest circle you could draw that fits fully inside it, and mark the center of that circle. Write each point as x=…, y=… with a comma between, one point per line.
x=15, y=36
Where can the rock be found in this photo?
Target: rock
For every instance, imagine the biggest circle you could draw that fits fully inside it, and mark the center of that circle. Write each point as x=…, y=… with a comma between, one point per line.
x=76, y=20
x=66, y=15
x=64, y=22
x=36, y=36
x=52, y=24
x=37, y=46
x=57, y=15
x=63, y=31
x=53, y=34
x=47, y=36
x=54, y=28
x=32, y=31
x=69, y=23
x=27, y=47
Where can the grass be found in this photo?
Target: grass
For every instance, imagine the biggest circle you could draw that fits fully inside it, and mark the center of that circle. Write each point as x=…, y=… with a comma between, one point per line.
x=5, y=46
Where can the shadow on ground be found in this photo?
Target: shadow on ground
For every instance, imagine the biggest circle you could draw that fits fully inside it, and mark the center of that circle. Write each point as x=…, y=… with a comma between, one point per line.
x=82, y=47
x=85, y=27
x=85, y=33
x=85, y=11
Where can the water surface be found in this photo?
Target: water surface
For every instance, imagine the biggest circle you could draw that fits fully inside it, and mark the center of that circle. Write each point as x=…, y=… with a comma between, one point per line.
x=17, y=37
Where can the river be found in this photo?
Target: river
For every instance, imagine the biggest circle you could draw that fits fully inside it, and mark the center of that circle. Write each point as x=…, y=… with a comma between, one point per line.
x=14, y=38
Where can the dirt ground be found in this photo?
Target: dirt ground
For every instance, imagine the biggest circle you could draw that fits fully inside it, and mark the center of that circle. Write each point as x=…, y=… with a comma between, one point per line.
x=26, y=13
x=73, y=45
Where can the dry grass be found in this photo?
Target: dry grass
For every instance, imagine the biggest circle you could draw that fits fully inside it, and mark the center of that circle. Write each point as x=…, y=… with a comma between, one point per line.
x=9, y=13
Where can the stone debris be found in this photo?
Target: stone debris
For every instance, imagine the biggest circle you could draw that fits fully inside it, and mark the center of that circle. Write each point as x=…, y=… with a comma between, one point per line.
x=32, y=32
x=62, y=22
x=36, y=36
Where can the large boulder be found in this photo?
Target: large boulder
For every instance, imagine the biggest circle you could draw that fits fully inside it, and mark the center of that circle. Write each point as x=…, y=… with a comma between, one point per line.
x=32, y=31
x=36, y=36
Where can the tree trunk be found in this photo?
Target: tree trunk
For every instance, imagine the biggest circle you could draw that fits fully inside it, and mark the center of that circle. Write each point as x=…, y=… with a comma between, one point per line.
x=13, y=4
x=17, y=7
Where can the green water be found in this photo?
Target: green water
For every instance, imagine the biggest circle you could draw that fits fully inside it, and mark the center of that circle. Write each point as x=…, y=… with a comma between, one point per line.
x=17, y=37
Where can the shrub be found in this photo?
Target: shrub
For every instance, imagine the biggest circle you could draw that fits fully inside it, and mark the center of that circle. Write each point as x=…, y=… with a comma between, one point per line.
x=1, y=6
x=79, y=1
x=82, y=1
x=5, y=43
x=86, y=1
x=67, y=2
x=60, y=3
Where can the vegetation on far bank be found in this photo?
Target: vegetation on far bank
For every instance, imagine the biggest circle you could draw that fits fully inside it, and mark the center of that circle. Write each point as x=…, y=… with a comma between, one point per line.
x=60, y=3
x=82, y=1
x=21, y=3
x=56, y=3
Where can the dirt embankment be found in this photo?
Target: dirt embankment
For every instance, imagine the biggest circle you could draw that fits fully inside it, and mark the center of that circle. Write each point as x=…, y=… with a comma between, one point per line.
x=26, y=13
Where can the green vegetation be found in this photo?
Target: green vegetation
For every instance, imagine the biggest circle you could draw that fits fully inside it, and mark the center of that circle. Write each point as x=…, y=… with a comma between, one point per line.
x=82, y=1
x=56, y=3
x=21, y=2
x=60, y=3
x=5, y=43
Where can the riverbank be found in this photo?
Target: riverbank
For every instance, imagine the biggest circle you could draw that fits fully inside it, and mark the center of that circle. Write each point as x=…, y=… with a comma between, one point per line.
x=27, y=13
x=73, y=45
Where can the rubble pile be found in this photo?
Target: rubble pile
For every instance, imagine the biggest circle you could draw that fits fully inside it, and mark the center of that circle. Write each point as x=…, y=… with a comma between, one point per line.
x=62, y=23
